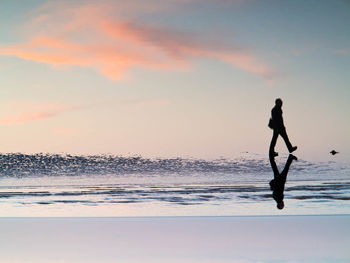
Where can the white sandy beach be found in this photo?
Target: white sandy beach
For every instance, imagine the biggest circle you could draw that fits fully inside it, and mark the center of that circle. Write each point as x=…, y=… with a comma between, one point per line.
x=176, y=239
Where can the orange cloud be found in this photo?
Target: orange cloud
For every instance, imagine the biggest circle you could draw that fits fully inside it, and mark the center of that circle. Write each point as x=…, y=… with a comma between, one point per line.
x=88, y=35
x=22, y=112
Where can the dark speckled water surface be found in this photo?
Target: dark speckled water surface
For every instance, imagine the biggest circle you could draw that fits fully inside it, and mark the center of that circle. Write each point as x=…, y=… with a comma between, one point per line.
x=107, y=185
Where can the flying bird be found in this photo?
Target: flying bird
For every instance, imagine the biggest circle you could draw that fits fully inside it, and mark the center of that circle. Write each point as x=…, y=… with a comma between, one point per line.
x=333, y=152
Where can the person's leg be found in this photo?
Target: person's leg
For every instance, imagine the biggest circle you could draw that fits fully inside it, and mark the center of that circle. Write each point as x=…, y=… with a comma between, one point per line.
x=273, y=142
x=274, y=166
x=284, y=135
x=288, y=163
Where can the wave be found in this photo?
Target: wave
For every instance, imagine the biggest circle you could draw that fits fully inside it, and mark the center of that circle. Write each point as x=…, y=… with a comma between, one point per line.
x=181, y=194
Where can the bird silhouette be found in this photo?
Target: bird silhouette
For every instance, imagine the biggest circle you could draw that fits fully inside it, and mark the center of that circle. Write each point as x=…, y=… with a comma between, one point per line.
x=333, y=152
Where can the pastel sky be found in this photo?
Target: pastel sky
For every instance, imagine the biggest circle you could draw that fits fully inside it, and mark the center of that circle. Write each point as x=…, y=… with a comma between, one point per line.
x=167, y=78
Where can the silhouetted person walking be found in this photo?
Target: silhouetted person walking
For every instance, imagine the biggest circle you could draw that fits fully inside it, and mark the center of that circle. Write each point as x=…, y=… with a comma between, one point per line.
x=276, y=123
x=277, y=184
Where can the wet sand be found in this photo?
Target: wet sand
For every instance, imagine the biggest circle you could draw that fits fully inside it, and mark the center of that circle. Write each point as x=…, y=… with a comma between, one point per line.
x=176, y=239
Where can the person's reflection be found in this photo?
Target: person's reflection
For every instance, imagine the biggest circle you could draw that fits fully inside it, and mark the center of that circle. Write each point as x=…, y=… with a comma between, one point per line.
x=277, y=184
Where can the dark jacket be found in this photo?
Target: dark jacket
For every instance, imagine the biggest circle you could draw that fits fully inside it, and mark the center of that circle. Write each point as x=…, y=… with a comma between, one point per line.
x=277, y=119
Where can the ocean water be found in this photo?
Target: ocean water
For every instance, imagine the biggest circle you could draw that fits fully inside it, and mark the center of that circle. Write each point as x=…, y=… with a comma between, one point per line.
x=107, y=185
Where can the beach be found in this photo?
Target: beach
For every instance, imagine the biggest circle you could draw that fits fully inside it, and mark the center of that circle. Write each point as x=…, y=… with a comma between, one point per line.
x=174, y=131
x=176, y=239
x=112, y=209
x=112, y=186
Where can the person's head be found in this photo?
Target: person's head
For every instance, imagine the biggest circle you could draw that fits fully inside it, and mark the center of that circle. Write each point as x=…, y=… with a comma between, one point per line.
x=278, y=102
x=280, y=205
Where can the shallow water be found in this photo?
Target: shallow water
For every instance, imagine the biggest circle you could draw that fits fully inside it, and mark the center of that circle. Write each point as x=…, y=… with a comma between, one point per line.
x=63, y=185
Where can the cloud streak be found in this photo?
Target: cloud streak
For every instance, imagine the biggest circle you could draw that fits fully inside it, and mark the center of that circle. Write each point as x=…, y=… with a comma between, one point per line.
x=89, y=35
x=23, y=112
x=343, y=51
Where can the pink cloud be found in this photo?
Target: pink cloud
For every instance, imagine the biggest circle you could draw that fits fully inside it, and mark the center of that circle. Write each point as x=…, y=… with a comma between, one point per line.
x=22, y=112
x=89, y=35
